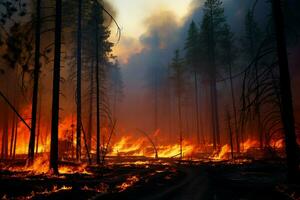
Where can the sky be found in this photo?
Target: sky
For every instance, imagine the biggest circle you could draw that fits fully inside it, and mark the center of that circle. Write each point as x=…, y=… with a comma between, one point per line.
x=131, y=14
x=132, y=17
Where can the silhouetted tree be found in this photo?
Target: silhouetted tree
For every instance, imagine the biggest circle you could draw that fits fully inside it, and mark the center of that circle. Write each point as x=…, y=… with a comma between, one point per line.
x=78, y=89
x=178, y=77
x=36, y=72
x=229, y=57
x=211, y=27
x=251, y=42
x=287, y=112
x=56, y=88
x=192, y=59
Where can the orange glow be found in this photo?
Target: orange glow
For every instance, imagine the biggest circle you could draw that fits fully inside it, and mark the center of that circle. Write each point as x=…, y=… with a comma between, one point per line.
x=249, y=144
x=222, y=154
x=128, y=183
x=141, y=147
x=277, y=144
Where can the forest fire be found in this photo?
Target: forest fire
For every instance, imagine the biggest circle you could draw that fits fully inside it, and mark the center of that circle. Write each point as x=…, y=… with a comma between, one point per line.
x=192, y=99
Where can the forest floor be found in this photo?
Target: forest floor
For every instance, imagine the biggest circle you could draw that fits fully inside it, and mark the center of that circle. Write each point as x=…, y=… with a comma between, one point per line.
x=154, y=180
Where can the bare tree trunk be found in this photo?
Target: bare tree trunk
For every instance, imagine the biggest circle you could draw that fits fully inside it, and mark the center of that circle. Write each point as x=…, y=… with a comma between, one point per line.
x=234, y=111
x=15, y=140
x=197, y=107
x=287, y=111
x=12, y=137
x=230, y=134
x=213, y=117
x=180, y=124
x=56, y=87
x=97, y=87
x=39, y=126
x=78, y=93
x=35, y=82
x=90, y=120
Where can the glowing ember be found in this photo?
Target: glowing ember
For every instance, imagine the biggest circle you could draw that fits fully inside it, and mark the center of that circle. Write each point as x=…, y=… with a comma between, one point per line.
x=128, y=183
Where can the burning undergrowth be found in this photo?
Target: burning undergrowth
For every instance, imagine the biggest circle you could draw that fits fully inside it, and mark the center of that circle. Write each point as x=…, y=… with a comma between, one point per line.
x=75, y=181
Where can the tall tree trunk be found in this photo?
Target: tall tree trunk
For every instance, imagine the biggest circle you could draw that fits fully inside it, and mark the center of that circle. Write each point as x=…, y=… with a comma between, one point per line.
x=230, y=134
x=258, y=110
x=234, y=111
x=78, y=93
x=90, y=120
x=12, y=137
x=197, y=107
x=215, y=110
x=56, y=87
x=35, y=82
x=180, y=124
x=215, y=96
x=39, y=126
x=287, y=111
x=97, y=87
x=15, y=140
x=213, y=115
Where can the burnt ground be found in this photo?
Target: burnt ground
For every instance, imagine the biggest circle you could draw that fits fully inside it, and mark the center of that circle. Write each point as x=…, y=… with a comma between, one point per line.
x=155, y=180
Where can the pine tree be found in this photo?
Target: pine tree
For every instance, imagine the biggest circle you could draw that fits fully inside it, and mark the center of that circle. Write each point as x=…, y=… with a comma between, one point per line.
x=192, y=59
x=287, y=111
x=251, y=42
x=36, y=81
x=56, y=88
x=78, y=89
x=178, y=77
x=229, y=57
x=211, y=27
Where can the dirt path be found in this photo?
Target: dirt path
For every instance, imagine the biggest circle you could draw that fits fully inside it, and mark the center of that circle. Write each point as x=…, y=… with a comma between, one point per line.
x=192, y=187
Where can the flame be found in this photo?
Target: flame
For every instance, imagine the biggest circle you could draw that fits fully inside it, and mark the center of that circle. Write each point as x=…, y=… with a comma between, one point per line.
x=174, y=150
x=277, y=144
x=222, y=154
x=128, y=147
x=141, y=147
x=40, y=164
x=130, y=181
x=249, y=144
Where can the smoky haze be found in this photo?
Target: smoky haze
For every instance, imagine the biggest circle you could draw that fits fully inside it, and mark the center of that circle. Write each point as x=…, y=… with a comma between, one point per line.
x=147, y=69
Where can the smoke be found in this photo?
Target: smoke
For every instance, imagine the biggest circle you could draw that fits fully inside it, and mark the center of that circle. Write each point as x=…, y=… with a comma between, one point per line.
x=155, y=48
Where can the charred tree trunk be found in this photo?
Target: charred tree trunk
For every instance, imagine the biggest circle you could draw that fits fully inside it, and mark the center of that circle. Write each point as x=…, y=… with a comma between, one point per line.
x=287, y=111
x=15, y=140
x=197, y=107
x=97, y=87
x=56, y=88
x=39, y=126
x=35, y=82
x=90, y=120
x=258, y=110
x=213, y=114
x=78, y=93
x=180, y=124
x=230, y=134
x=237, y=135
x=12, y=137
x=214, y=101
